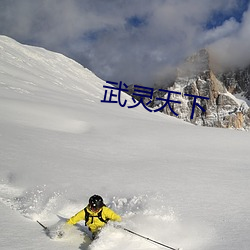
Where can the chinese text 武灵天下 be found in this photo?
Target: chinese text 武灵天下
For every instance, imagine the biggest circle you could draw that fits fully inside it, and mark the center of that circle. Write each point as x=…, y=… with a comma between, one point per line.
x=145, y=92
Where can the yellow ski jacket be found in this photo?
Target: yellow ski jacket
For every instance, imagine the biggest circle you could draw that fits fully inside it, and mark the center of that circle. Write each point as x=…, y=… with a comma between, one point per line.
x=94, y=223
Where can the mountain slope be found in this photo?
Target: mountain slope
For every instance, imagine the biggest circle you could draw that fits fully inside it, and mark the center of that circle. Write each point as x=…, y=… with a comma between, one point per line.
x=183, y=185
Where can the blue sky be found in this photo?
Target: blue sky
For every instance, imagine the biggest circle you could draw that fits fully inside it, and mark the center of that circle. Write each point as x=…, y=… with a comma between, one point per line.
x=218, y=17
x=135, y=41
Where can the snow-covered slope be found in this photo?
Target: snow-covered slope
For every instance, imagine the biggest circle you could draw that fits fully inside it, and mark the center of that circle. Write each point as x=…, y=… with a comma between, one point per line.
x=176, y=183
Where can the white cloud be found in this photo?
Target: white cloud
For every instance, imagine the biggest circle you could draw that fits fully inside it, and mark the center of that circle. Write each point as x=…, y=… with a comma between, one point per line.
x=233, y=50
x=98, y=34
x=228, y=28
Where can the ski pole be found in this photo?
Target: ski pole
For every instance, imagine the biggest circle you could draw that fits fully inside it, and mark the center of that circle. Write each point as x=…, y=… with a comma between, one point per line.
x=146, y=238
x=45, y=228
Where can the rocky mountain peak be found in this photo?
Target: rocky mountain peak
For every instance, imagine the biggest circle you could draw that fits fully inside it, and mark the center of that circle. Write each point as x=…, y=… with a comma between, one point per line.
x=196, y=64
x=196, y=76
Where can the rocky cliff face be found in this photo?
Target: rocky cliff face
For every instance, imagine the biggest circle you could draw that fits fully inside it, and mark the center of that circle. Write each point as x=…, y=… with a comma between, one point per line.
x=196, y=77
x=237, y=81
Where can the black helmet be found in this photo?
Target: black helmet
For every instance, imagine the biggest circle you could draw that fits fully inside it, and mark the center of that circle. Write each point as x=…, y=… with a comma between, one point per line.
x=95, y=202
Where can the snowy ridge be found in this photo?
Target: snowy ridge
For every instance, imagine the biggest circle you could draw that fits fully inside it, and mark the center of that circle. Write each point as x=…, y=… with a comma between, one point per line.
x=50, y=68
x=182, y=185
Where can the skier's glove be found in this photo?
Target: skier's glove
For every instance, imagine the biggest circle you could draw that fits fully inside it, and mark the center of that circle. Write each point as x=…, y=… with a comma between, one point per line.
x=60, y=233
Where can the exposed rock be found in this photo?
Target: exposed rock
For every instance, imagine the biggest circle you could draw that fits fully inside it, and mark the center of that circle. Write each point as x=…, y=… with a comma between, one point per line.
x=195, y=77
x=218, y=93
x=237, y=81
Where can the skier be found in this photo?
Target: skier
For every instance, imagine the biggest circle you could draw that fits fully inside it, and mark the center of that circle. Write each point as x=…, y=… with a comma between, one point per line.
x=95, y=214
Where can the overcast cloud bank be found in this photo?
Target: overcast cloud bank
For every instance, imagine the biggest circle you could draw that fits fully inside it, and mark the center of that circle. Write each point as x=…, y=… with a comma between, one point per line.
x=133, y=41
